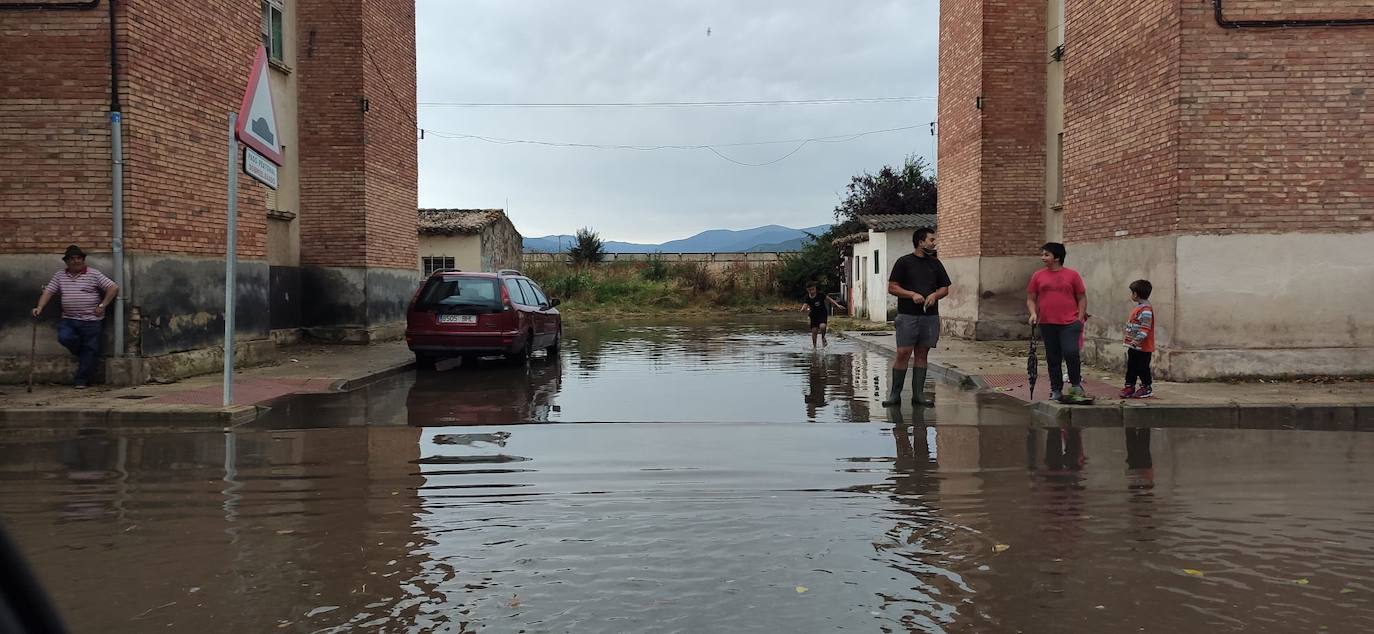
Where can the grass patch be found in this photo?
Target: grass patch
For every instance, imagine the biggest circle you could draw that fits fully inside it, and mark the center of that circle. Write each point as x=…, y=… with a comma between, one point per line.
x=654, y=287
x=857, y=325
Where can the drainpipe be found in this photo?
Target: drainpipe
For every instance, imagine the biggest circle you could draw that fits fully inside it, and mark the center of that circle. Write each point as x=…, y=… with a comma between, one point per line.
x=1282, y=24
x=117, y=187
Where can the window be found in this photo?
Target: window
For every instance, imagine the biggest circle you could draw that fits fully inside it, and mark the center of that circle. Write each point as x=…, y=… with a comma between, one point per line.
x=876, y=271
x=536, y=298
x=457, y=290
x=516, y=295
x=431, y=264
x=272, y=38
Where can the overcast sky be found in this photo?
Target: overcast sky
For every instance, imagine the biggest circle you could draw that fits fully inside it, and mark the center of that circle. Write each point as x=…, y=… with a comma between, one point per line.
x=599, y=51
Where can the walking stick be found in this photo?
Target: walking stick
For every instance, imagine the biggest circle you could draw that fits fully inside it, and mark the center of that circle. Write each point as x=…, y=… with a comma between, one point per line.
x=33, y=352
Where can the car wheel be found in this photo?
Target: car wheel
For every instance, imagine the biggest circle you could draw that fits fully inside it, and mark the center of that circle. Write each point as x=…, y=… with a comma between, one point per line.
x=425, y=361
x=557, y=344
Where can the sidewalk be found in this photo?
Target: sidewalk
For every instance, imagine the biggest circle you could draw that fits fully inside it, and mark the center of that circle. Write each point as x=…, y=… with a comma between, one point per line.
x=1000, y=367
x=197, y=402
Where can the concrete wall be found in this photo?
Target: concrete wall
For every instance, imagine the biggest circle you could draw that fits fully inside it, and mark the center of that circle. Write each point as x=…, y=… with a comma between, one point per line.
x=466, y=251
x=501, y=246
x=987, y=298
x=1237, y=305
x=356, y=304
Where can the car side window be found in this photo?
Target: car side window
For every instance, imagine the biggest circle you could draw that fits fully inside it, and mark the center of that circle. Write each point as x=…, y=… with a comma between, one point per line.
x=539, y=292
x=535, y=296
x=516, y=295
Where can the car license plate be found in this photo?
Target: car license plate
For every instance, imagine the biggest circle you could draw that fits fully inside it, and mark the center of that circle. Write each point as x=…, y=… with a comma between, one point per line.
x=457, y=319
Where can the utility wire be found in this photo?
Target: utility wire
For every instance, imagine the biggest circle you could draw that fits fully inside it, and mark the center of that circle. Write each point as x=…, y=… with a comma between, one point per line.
x=672, y=104
x=714, y=148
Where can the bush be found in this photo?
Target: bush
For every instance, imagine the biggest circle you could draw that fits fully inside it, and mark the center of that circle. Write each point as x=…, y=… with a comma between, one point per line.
x=655, y=269
x=589, y=248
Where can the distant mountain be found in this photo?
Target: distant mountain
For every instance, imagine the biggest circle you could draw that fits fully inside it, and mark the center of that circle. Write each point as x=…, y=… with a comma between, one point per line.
x=769, y=238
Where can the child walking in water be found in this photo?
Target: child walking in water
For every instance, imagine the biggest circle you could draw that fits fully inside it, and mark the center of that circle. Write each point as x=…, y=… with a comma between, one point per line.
x=1140, y=343
x=814, y=303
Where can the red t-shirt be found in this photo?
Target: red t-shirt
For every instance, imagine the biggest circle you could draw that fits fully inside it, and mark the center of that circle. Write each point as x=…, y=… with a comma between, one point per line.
x=1057, y=295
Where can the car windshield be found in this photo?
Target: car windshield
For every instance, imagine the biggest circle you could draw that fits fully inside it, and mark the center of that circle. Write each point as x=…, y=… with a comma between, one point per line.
x=457, y=290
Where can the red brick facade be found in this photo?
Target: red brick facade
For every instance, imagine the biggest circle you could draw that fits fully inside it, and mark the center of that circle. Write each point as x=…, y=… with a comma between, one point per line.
x=992, y=122
x=358, y=169
x=54, y=130
x=187, y=71
x=1173, y=124
x=1176, y=125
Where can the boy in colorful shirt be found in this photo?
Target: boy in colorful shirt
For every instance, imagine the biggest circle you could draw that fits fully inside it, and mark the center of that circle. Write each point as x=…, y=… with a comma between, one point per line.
x=1140, y=342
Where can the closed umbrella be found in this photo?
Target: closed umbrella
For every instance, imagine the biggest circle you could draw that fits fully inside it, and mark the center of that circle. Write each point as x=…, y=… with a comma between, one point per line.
x=1032, y=365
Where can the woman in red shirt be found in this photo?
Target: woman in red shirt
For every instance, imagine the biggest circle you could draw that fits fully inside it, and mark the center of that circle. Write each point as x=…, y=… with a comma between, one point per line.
x=1058, y=304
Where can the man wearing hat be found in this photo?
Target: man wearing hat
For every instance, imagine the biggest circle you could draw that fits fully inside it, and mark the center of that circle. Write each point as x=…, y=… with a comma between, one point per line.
x=86, y=293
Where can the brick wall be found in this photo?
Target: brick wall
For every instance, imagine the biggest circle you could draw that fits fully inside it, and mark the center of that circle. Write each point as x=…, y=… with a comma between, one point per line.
x=960, y=148
x=1014, y=60
x=391, y=151
x=1277, y=124
x=187, y=71
x=54, y=131
x=329, y=56
x=1121, y=89
x=992, y=161
x=359, y=187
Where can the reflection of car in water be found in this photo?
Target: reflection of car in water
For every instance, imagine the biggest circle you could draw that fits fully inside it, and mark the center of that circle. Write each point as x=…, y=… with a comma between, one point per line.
x=465, y=314
x=492, y=394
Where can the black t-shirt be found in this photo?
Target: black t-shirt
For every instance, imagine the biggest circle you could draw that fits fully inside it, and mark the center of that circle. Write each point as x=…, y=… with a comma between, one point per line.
x=816, y=305
x=922, y=275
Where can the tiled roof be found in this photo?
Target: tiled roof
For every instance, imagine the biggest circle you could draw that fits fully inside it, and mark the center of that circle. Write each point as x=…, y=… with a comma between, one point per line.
x=849, y=240
x=890, y=222
x=451, y=222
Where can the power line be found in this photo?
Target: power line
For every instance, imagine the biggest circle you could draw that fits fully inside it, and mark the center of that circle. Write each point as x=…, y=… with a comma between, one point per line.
x=714, y=148
x=673, y=104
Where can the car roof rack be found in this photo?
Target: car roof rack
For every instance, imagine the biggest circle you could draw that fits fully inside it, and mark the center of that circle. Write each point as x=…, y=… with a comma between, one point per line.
x=509, y=272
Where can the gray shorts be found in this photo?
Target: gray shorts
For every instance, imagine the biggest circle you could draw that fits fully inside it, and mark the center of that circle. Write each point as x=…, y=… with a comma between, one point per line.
x=920, y=331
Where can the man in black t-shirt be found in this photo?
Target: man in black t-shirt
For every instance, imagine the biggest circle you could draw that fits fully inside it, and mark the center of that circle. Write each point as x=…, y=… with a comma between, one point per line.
x=814, y=303
x=918, y=280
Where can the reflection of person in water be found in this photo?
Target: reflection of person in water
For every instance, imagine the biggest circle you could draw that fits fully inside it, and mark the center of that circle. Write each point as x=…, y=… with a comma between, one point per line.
x=1140, y=466
x=1064, y=449
x=815, y=387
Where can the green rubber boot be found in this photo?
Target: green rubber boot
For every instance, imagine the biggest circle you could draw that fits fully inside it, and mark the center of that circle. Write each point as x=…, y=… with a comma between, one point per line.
x=894, y=395
x=918, y=388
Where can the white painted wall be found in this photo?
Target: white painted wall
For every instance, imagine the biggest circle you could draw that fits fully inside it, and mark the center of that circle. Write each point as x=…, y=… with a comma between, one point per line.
x=466, y=251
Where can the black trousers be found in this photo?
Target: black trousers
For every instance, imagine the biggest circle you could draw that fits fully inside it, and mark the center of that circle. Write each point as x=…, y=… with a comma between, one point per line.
x=1061, y=348
x=1138, y=367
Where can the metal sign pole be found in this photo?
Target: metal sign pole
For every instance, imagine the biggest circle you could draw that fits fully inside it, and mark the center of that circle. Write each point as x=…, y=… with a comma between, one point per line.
x=230, y=257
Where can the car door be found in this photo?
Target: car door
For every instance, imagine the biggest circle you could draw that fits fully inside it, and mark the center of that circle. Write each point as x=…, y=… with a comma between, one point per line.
x=540, y=316
x=550, y=315
x=522, y=304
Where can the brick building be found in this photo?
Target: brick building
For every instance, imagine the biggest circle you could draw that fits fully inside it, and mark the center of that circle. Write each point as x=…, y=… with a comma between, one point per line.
x=1223, y=149
x=331, y=253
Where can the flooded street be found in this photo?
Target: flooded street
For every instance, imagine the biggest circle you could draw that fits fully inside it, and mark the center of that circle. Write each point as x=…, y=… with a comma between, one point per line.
x=703, y=477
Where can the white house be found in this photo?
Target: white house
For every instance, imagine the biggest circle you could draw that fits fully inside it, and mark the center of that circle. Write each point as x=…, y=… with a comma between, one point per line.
x=888, y=238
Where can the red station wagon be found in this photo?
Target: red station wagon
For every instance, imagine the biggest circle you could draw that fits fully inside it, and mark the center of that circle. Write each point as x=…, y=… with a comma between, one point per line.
x=456, y=313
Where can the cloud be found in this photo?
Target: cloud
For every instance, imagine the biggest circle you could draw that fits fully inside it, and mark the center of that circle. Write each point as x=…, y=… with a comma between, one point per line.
x=617, y=51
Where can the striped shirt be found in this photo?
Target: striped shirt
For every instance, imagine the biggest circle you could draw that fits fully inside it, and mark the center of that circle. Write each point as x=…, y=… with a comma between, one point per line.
x=81, y=293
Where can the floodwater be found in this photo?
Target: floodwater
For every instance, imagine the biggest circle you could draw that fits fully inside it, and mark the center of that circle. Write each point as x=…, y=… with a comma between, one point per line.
x=699, y=509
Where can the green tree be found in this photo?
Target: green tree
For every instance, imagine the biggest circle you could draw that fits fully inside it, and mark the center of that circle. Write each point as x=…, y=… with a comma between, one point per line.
x=908, y=190
x=589, y=248
x=817, y=261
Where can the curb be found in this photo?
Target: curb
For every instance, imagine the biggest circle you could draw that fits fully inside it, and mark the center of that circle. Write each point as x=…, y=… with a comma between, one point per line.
x=1349, y=417
x=350, y=384
x=108, y=417
x=936, y=370
x=178, y=417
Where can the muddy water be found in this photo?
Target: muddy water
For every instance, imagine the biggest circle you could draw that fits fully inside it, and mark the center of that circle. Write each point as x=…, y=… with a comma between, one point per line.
x=962, y=520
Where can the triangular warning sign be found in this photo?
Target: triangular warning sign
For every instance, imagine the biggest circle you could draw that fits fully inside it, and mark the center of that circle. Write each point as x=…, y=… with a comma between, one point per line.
x=257, y=126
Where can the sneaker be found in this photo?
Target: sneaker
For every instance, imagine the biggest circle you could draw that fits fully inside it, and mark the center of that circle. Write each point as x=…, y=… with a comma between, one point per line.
x=80, y=386
x=1144, y=392
x=1128, y=391
x=1075, y=394
x=1055, y=395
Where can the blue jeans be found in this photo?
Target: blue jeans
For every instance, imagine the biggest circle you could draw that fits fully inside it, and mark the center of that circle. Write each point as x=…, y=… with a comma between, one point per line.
x=83, y=339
